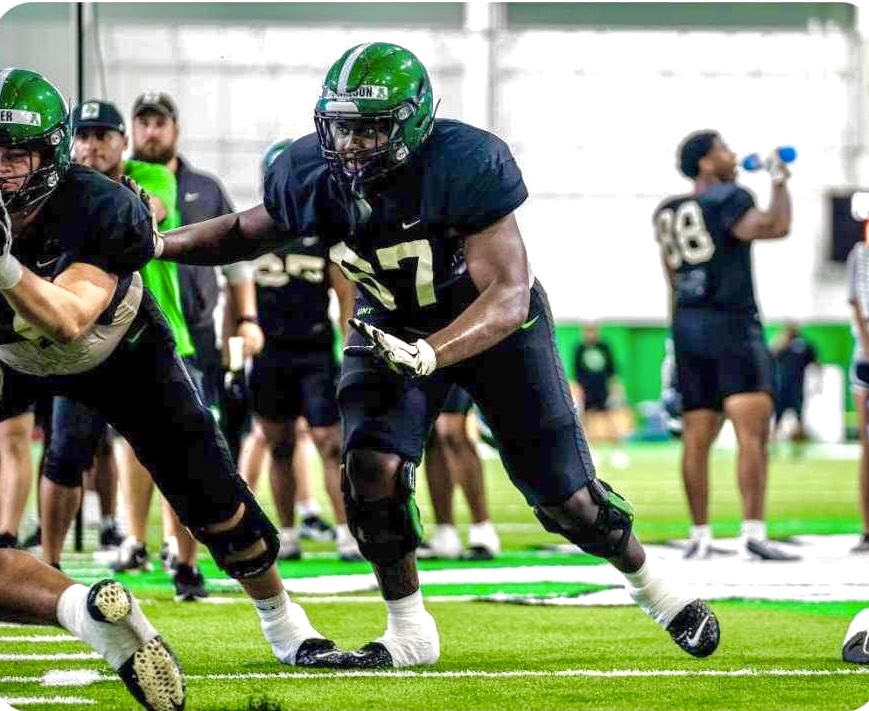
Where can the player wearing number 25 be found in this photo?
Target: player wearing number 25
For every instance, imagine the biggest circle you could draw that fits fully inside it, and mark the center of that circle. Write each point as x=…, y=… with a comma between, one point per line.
x=722, y=362
x=419, y=212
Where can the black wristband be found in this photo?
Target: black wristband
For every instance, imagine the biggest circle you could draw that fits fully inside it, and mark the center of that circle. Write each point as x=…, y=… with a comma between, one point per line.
x=246, y=319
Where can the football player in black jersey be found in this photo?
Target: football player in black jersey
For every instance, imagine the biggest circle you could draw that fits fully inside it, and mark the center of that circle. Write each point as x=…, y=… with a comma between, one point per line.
x=76, y=321
x=723, y=365
x=296, y=373
x=420, y=213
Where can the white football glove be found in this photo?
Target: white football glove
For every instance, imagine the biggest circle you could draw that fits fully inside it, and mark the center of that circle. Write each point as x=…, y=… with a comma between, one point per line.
x=10, y=267
x=415, y=360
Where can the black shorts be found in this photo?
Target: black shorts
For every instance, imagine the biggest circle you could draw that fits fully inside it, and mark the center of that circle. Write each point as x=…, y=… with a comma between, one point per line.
x=719, y=354
x=287, y=381
x=519, y=386
x=595, y=399
x=143, y=390
x=458, y=402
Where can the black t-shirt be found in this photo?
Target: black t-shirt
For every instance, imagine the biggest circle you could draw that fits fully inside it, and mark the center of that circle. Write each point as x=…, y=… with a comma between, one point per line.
x=594, y=365
x=292, y=292
x=91, y=219
x=200, y=197
x=712, y=267
x=408, y=256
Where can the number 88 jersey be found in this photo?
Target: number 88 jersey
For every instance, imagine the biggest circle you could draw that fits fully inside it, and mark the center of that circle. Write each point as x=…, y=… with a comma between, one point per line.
x=711, y=267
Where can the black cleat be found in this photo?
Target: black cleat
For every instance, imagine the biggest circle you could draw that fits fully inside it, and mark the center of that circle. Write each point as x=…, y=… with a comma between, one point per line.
x=477, y=553
x=372, y=656
x=856, y=649
x=189, y=584
x=8, y=540
x=756, y=549
x=695, y=629
x=318, y=652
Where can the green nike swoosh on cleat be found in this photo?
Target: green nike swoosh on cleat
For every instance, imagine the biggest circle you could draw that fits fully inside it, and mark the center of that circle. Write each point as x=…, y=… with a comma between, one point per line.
x=529, y=323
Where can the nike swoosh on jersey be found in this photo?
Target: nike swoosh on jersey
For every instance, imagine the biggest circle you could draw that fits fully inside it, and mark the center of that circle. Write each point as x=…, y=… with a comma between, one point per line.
x=310, y=241
x=412, y=223
x=41, y=265
x=191, y=197
x=529, y=323
x=694, y=639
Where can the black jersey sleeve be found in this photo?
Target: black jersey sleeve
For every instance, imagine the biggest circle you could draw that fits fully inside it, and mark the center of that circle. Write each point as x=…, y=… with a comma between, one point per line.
x=734, y=205
x=118, y=237
x=485, y=186
x=290, y=186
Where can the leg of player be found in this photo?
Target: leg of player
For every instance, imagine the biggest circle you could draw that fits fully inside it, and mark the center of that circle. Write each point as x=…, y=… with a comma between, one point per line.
x=445, y=541
x=106, y=483
x=699, y=429
x=382, y=511
x=327, y=440
x=104, y=616
x=253, y=455
x=76, y=434
x=861, y=403
x=282, y=478
x=309, y=513
x=545, y=452
x=137, y=487
x=750, y=414
x=170, y=421
x=186, y=577
x=16, y=473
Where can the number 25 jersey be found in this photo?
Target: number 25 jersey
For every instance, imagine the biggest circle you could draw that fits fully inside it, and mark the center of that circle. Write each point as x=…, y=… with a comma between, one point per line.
x=407, y=257
x=711, y=266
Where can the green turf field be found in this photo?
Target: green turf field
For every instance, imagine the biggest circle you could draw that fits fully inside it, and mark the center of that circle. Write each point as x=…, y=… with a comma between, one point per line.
x=780, y=647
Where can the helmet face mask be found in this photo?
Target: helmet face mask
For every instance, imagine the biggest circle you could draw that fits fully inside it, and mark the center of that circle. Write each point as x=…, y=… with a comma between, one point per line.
x=376, y=110
x=34, y=118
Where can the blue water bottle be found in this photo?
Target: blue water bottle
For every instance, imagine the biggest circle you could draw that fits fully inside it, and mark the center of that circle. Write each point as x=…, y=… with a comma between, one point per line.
x=753, y=162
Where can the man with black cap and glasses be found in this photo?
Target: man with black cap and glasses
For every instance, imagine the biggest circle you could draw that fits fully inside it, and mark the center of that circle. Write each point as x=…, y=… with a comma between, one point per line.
x=200, y=197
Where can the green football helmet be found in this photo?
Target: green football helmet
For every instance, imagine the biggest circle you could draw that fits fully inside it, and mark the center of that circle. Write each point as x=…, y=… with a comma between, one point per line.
x=34, y=116
x=272, y=152
x=374, y=89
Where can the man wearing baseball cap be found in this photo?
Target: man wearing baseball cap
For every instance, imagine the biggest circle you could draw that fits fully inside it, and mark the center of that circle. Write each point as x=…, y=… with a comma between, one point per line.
x=155, y=129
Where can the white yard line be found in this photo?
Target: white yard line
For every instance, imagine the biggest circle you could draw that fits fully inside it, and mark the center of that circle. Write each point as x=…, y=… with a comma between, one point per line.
x=53, y=701
x=39, y=638
x=470, y=673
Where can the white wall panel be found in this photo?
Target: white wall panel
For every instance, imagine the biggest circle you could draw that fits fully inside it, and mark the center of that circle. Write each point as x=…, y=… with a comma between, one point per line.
x=596, y=118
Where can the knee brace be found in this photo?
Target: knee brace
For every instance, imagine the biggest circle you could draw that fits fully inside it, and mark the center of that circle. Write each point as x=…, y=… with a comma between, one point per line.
x=608, y=536
x=253, y=526
x=386, y=529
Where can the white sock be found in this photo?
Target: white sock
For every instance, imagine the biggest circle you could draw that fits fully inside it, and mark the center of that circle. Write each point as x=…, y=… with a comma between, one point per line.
x=701, y=533
x=107, y=522
x=308, y=507
x=285, y=625
x=289, y=535
x=116, y=643
x=411, y=634
x=752, y=528
x=653, y=595
x=342, y=534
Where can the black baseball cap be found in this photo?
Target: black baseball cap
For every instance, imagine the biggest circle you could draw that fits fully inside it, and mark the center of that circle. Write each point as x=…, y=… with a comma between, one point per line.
x=98, y=114
x=156, y=101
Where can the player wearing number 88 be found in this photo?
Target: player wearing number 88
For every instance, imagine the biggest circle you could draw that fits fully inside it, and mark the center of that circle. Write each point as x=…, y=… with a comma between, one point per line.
x=723, y=365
